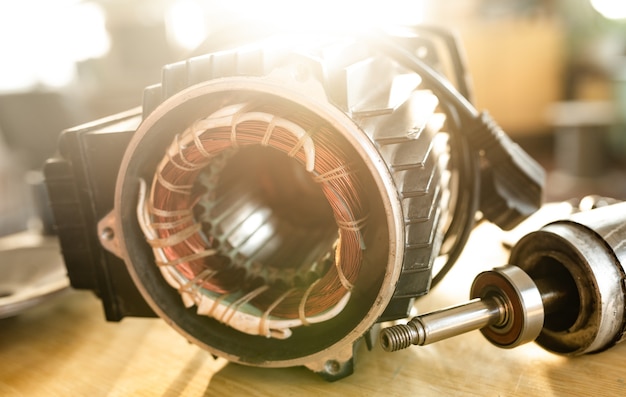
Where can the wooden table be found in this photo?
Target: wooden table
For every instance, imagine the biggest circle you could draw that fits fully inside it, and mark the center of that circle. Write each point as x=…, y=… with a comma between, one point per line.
x=65, y=348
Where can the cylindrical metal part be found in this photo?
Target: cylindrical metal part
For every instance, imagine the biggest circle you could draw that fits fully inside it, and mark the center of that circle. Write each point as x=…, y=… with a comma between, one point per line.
x=554, y=295
x=523, y=302
x=290, y=205
x=608, y=222
x=568, y=293
x=476, y=314
x=507, y=308
x=585, y=255
x=444, y=324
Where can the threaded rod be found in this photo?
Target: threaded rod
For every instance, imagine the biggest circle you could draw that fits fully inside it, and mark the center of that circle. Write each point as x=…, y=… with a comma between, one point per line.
x=443, y=324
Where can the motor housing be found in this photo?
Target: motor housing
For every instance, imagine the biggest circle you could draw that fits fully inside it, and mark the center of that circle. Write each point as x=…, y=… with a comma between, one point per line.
x=354, y=170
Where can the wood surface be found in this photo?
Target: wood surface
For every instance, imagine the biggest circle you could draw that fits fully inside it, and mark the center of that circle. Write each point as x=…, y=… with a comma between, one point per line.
x=64, y=347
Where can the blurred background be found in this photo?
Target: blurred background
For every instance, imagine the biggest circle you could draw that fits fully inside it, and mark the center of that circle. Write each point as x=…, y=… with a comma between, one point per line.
x=551, y=72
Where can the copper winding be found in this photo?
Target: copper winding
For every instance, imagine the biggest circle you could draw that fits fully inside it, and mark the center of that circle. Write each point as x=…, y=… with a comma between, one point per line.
x=197, y=255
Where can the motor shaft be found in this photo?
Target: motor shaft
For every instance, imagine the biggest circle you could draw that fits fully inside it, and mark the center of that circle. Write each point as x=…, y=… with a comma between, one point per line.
x=507, y=304
x=445, y=323
x=567, y=292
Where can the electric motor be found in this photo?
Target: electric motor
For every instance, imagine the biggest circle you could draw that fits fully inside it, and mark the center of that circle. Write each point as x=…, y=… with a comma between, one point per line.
x=275, y=200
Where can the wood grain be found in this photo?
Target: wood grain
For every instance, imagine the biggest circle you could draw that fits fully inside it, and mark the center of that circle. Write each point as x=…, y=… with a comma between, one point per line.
x=65, y=348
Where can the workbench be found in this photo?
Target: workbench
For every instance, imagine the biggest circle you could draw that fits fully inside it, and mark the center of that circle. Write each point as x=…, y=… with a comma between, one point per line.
x=64, y=347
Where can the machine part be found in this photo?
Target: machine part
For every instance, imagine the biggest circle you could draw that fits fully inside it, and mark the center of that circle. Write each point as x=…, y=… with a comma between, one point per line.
x=240, y=308
x=585, y=254
x=570, y=271
x=278, y=279
x=507, y=307
x=274, y=206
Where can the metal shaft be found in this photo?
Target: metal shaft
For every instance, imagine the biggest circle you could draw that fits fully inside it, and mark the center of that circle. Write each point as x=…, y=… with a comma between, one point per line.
x=508, y=309
x=568, y=286
x=446, y=323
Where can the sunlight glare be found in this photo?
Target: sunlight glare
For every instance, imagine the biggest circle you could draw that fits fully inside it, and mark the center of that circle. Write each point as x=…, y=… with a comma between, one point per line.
x=610, y=9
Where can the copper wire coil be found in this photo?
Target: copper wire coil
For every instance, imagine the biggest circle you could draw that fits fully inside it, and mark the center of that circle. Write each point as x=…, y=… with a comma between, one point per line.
x=176, y=190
